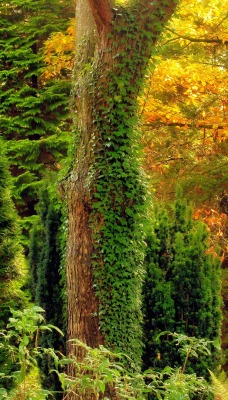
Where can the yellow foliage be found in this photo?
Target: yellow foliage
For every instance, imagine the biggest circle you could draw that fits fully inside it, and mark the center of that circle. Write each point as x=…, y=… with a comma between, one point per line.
x=179, y=83
x=185, y=102
x=58, y=53
x=31, y=387
x=220, y=387
x=197, y=77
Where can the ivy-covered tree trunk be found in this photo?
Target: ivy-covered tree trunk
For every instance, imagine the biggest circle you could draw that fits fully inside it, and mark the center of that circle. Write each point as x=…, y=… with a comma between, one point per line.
x=104, y=189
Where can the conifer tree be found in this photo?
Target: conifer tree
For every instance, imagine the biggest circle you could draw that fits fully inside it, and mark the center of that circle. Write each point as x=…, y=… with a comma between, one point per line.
x=47, y=285
x=158, y=304
x=182, y=289
x=34, y=113
x=12, y=264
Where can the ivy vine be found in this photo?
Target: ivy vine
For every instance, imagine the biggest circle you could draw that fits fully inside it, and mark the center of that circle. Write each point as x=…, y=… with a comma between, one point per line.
x=118, y=189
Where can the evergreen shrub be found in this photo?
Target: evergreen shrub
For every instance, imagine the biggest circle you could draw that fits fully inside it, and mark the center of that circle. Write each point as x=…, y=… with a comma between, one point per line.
x=12, y=262
x=181, y=291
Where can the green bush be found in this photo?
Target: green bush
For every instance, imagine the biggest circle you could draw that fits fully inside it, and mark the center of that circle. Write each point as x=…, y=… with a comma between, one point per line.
x=20, y=341
x=12, y=262
x=181, y=291
x=101, y=373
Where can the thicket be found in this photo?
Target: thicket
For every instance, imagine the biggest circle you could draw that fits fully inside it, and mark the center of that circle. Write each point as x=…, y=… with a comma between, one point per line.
x=47, y=245
x=35, y=124
x=99, y=370
x=182, y=290
x=20, y=341
x=34, y=112
x=12, y=262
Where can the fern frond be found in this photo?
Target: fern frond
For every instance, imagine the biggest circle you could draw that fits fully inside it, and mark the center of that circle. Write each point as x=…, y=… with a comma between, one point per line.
x=220, y=388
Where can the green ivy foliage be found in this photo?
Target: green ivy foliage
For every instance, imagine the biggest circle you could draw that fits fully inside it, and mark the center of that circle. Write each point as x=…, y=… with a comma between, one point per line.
x=182, y=289
x=34, y=114
x=118, y=188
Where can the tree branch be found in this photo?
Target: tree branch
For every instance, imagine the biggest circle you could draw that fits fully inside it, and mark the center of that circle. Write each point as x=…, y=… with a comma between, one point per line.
x=178, y=124
x=198, y=40
x=102, y=13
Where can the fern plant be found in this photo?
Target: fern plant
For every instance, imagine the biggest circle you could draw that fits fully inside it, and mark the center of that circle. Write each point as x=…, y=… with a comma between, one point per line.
x=20, y=340
x=220, y=386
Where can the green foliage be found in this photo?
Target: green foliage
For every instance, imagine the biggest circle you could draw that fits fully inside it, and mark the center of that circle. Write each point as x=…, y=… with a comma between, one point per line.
x=102, y=373
x=181, y=290
x=20, y=341
x=225, y=314
x=220, y=385
x=9, y=238
x=118, y=194
x=177, y=386
x=48, y=288
x=12, y=263
x=34, y=114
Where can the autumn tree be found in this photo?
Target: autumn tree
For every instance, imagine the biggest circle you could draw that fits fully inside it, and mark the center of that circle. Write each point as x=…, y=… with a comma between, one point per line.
x=185, y=103
x=115, y=41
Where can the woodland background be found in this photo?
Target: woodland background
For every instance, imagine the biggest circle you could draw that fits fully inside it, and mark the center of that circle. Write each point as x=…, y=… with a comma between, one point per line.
x=183, y=152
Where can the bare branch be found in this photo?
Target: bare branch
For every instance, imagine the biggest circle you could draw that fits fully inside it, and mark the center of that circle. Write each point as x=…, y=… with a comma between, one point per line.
x=157, y=124
x=198, y=40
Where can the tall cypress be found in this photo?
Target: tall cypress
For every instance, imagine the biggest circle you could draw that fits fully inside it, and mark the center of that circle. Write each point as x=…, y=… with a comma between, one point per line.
x=46, y=255
x=158, y=303
x=182, y=289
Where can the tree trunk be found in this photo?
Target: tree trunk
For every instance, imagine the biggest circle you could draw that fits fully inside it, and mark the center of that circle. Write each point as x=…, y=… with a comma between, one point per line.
x=104, y=190
x=82, y=304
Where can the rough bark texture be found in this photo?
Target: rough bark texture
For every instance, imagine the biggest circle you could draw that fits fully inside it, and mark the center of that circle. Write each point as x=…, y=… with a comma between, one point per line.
x=82, y=302
x=98, y=60
x=102, y=13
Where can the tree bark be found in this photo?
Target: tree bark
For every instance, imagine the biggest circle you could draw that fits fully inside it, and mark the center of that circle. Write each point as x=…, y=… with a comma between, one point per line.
x=114, y=46
x=82, y=307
